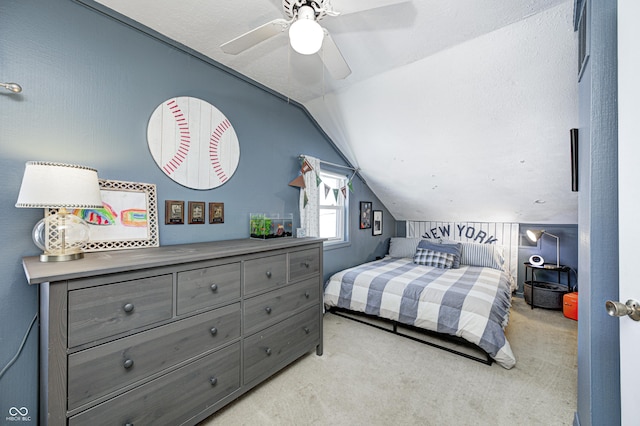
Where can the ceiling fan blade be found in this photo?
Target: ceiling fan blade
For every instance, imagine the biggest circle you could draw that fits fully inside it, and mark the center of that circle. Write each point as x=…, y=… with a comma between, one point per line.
x=345, y=7
x=255, y=36
x=333, y=59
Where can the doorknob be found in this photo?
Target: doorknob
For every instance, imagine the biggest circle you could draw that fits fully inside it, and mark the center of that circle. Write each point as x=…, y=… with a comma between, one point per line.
x=618, y=309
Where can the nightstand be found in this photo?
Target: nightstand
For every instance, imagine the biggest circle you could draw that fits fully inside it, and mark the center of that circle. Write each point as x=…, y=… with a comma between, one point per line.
x=549, y=293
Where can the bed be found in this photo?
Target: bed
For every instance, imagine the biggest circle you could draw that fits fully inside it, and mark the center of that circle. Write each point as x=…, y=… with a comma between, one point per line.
x=424, y=286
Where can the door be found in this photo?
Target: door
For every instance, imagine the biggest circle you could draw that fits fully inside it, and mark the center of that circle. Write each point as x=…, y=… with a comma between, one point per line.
x=629, y=199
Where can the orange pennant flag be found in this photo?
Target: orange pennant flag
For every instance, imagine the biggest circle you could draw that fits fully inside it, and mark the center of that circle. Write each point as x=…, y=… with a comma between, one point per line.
x=306, y=167
x=298, y=182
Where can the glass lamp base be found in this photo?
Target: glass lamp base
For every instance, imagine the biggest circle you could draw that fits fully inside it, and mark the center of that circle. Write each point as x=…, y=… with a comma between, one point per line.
x=61, y=236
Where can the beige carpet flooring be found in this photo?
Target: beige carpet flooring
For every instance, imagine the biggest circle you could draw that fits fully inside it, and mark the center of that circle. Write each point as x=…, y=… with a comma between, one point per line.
x=370, y=377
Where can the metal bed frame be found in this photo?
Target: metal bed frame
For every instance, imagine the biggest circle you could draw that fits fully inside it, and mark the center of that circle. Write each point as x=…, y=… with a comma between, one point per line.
x=354, y=316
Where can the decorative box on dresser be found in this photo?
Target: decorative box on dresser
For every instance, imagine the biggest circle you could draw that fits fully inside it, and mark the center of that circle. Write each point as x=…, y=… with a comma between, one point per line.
x=169, y=335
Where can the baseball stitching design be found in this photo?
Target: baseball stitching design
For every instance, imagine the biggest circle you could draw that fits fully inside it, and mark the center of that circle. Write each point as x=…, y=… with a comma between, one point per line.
x=185, y=139
x=213, y=149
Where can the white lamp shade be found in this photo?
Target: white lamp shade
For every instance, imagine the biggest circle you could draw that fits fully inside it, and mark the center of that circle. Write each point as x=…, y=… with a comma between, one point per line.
x=305, y=36
x=57, y=185
x=534, y=234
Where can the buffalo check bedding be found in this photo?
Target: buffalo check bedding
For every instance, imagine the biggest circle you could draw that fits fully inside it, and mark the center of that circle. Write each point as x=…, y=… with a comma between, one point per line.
x=470, y=302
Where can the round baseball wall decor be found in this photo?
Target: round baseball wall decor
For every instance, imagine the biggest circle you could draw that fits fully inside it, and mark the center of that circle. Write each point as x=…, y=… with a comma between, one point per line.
x=193, y=143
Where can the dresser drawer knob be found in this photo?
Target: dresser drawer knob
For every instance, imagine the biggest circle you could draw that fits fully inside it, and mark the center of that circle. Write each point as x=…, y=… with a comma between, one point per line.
x=306, y=264
x=267, y=310
x=268, y=274
x=213, y=380
x=214, y=331
x=128, y=424
x=214, y=287
x=268, y=351
x=128, y=308
x=128, y=363
x=307, y=330
x=306, y=294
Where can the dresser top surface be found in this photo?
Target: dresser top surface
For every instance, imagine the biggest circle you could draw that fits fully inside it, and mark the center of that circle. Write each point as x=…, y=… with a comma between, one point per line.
x=107, y=262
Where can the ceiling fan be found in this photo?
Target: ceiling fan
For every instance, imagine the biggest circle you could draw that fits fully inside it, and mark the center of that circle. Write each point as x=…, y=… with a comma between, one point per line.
x=306, y=35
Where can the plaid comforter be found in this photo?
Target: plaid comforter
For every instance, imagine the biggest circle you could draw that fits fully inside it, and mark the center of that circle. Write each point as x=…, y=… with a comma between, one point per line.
x=469, y=302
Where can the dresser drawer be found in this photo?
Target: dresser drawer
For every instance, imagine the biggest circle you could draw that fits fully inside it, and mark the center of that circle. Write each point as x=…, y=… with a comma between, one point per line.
x=266, y=309
x=304, y=263
x=265, y=273
x=103, y=369
x=206, y=287
x=173, y=398
x=273, y=348
x=103, y=311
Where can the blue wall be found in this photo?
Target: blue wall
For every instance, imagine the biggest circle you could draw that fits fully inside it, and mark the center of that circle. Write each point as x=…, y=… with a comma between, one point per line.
x=90, y=85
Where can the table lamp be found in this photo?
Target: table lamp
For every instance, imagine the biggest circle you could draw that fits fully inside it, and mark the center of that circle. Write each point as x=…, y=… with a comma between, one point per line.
x=535, y=234
x=61, y=235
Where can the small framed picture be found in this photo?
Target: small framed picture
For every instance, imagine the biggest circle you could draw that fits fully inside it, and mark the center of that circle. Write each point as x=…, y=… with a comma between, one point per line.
x=377, y=222
x=173, y=212
x=216, y=212
x=196, y=212
x=365, y=214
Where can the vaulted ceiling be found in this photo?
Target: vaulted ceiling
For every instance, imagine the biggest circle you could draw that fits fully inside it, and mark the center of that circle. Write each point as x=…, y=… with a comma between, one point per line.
x=453, y=110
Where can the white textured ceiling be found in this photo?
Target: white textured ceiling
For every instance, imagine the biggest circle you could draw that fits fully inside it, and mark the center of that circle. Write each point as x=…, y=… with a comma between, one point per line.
x=455, y=110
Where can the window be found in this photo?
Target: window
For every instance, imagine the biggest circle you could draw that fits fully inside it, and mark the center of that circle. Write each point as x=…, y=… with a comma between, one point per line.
x=333, y=209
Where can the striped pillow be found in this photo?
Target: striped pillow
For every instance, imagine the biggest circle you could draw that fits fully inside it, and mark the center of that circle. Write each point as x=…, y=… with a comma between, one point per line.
x=433, y=258
x=403, y=247
x=486, y=255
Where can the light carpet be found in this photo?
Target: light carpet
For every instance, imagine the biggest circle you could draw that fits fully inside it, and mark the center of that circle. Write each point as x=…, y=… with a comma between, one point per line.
x=370, y=377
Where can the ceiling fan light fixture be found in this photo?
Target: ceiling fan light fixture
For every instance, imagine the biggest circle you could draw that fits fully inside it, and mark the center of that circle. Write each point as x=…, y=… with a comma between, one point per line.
x=305, y=34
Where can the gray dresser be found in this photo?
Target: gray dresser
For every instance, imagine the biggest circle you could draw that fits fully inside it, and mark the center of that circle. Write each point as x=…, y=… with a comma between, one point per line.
x=169, y=335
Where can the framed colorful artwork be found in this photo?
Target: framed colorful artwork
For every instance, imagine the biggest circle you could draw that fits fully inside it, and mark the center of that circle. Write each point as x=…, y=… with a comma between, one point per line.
x=128, y=218
x=365, y=214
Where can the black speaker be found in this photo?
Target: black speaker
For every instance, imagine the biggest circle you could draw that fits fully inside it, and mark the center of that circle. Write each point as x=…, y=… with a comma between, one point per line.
x=574, y=160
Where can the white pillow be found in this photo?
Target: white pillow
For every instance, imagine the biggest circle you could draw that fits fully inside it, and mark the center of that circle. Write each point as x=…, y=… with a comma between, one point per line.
x=403, y=247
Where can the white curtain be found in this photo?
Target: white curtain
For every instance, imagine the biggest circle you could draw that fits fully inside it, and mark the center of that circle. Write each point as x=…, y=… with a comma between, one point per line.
x=310, y=214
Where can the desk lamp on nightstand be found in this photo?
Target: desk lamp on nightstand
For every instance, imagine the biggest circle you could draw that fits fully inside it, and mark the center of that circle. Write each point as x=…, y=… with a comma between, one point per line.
x=535, y=234
x=60, y=186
